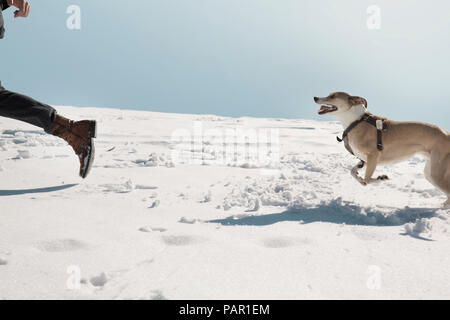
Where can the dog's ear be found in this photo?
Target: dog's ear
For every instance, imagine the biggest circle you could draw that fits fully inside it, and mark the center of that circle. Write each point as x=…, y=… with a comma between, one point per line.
x=354, y=101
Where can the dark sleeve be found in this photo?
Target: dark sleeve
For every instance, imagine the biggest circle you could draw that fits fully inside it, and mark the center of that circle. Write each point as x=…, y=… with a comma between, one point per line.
x=4, y=4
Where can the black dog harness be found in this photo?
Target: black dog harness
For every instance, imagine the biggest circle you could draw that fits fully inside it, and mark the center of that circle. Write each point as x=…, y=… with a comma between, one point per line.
x=378, y=123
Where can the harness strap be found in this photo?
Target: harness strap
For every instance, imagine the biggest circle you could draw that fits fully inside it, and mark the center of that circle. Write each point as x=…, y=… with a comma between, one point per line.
x=380, y=124
x=379, y=140
x=349, y=128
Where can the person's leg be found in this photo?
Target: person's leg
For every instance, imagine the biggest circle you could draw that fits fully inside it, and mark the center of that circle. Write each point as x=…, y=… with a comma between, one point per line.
x=16, y=106
x=78, y=134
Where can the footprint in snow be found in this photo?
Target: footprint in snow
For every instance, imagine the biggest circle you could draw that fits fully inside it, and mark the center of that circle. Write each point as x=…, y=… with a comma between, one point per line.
x=145, y=187
x=283, y=242
x=277, y=243
x=150, y=229
x=19, y=140
x=155, y=204
x=22, y=154
x=125, y=187
x=61, y=245
x=3, y=261
x=188, y=220
x=99, y=281
x=178, y=241
x=157, y=295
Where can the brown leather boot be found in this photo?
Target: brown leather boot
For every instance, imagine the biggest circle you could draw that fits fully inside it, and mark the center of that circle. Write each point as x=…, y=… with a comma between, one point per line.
x=78, y=135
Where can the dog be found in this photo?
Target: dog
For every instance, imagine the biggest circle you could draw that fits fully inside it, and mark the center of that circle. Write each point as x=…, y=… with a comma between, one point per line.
x=376, y=140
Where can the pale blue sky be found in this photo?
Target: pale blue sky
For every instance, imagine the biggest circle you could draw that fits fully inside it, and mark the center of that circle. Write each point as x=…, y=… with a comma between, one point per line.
x=264, y=58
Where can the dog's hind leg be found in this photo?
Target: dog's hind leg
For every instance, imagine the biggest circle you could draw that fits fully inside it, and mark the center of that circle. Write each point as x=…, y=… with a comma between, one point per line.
x=437, y=172
x=427, y=172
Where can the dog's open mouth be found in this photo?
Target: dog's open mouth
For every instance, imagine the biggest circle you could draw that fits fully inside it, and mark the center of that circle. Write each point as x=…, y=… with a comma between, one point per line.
x=327, y=109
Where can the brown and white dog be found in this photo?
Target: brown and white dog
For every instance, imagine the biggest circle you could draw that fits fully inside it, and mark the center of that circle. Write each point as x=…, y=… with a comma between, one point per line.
x=400, y=140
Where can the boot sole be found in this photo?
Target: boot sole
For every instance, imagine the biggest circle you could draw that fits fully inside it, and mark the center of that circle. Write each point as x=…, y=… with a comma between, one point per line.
x=93, y=129
x=86, y=171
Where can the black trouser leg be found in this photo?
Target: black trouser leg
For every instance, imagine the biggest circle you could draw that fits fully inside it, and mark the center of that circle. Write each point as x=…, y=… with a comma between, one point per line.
x=23, y=108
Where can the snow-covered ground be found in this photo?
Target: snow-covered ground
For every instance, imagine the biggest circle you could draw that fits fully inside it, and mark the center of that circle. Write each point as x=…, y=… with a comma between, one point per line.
x=157, y=219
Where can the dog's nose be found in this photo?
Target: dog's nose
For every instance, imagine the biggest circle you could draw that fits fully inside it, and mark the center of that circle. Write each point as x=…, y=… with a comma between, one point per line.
x=315, y=99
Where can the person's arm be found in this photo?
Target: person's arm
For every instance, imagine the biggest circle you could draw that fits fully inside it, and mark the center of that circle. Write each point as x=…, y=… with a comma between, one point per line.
x=23, y=7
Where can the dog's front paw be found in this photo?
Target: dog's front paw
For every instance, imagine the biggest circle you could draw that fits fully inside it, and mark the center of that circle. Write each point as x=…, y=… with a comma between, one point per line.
x=383, y=177
x=363, y=182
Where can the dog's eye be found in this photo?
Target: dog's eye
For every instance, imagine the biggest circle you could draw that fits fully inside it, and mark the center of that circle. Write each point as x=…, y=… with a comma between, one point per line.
x=332, y=96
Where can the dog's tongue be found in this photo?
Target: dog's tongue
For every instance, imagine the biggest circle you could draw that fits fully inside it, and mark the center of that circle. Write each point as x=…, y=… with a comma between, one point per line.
x=323, y=108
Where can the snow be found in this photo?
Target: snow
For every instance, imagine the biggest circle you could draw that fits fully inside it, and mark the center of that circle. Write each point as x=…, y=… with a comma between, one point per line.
x=276, y=216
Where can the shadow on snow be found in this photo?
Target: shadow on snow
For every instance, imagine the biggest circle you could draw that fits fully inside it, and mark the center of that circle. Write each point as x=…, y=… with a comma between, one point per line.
x=5, y=193
x=335, y=211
